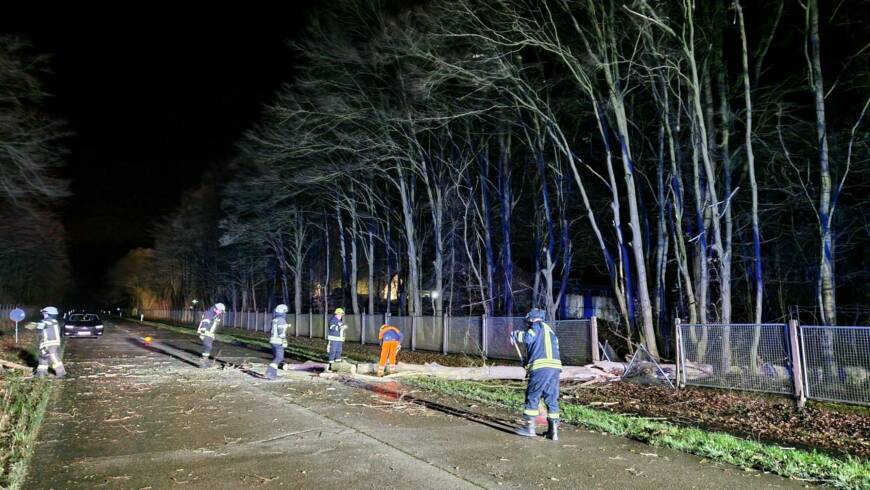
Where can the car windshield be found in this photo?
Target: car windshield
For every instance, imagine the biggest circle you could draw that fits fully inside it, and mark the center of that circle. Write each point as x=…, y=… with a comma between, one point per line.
x=83, y=318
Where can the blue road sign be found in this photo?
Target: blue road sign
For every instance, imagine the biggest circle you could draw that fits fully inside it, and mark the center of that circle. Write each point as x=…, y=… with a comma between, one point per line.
x=17, y=315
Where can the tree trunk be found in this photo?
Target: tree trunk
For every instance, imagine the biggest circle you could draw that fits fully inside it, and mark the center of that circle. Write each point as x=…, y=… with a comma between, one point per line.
x=758, y=279
x=506, y=193
x=416, y=304
x=636, y=236
x=826, y=264
x=354, y=259
x=661, y=234
x=489, y=253
x=370, y=260
x=345, y=273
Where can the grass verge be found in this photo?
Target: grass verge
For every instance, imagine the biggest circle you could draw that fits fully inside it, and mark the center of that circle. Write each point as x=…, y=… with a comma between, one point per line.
x=849, y=473
x=22, y=407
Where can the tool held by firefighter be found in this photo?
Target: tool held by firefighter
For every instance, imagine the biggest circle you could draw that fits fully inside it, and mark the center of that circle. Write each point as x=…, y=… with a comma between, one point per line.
x=544, y=366
x=49, y=343
x=278, y=340
x=208, y=325
x=335, y=337
x=391, y=344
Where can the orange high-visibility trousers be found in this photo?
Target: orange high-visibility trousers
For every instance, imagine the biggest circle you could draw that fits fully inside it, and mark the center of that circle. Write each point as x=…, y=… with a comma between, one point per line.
x=389, y=349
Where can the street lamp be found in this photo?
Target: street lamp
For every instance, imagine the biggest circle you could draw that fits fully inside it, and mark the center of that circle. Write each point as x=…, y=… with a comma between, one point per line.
x=434, y=295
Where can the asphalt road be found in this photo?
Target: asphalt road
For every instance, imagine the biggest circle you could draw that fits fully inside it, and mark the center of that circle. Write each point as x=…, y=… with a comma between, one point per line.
x=147, y=417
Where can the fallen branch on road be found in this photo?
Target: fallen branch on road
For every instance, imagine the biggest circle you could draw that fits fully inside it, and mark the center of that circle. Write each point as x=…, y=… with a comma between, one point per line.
x=14, y=365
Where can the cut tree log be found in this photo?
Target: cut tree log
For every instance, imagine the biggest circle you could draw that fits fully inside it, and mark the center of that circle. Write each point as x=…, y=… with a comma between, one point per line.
x=617, y=368
x=574, y=373
x=13, y=365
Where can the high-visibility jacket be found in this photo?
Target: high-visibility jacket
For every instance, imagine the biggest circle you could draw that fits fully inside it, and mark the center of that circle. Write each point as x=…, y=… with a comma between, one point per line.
x=336, y=330
x=279, y=330
x=50, y=332
x=542, y=346
x=389, y=332
x=209, y=323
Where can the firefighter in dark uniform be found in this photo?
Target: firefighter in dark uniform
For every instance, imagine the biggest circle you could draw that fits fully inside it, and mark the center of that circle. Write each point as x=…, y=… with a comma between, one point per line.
x=278, y=340
x=49, y=343
x=544, y=367
x=207, y=328
x=335, y=337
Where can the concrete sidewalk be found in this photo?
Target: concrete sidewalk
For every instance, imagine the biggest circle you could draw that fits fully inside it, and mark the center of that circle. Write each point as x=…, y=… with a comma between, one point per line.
x=133, y=417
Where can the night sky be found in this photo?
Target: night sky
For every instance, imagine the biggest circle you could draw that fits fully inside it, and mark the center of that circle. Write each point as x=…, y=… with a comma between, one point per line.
x=152, y=99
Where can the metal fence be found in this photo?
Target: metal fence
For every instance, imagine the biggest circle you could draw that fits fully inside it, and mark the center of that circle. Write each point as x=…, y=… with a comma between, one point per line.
x=737, y=356
x=836, y=362
x=806, y=361
x=475, y=336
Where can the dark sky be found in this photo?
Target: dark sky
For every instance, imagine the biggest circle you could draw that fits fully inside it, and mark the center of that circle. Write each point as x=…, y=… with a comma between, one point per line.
x=153, y=99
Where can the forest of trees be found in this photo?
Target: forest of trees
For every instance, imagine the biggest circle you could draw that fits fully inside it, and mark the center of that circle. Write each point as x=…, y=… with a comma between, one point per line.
x=34, y=265
x=701, y=160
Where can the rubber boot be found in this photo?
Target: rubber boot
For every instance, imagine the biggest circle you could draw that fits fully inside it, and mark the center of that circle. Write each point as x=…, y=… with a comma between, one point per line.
x=41, y=373
x=272, y=372
x=205, y=363
x=553, y=429
x=60, y=371
x=527, y=430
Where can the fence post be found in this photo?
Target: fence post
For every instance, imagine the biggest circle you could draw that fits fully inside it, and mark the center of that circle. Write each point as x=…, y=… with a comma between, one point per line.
x=413, y=333
x=679, y=349
x=796, y=364
x=593, y=338
x=445, y=334
x=362, y=329
x=483, y=342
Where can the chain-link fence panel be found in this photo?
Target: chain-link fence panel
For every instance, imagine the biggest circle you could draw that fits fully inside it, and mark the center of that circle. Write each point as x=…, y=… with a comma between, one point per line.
x=318, y=326
x=464, y=335
x=372, y=326
x=498, y=336
x=574, y=341
x=301, y=325
x=737, y=356
x=354, y=323
x=430, y=333
x=405, y=325
x=836, y=363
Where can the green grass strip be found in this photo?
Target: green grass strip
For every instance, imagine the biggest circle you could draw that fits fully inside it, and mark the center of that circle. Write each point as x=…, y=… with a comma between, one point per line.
x=850, y=473
x=23, y=402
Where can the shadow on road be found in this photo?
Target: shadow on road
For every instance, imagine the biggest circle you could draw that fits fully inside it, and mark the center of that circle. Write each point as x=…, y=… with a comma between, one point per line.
x=391, y=390
x=155, y=348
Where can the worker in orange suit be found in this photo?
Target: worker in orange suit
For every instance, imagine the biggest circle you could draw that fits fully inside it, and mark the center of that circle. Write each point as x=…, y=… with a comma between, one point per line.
x=391, y=342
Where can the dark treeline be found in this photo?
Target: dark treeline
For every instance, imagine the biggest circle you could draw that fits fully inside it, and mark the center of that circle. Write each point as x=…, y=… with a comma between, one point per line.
x=34, y=266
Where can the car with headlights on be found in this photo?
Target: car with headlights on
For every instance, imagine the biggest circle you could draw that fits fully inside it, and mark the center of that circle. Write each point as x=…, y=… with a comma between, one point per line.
x=83, y=325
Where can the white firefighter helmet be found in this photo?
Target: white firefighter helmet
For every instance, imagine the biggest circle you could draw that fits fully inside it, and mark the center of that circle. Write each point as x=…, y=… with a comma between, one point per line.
x=49, y=310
